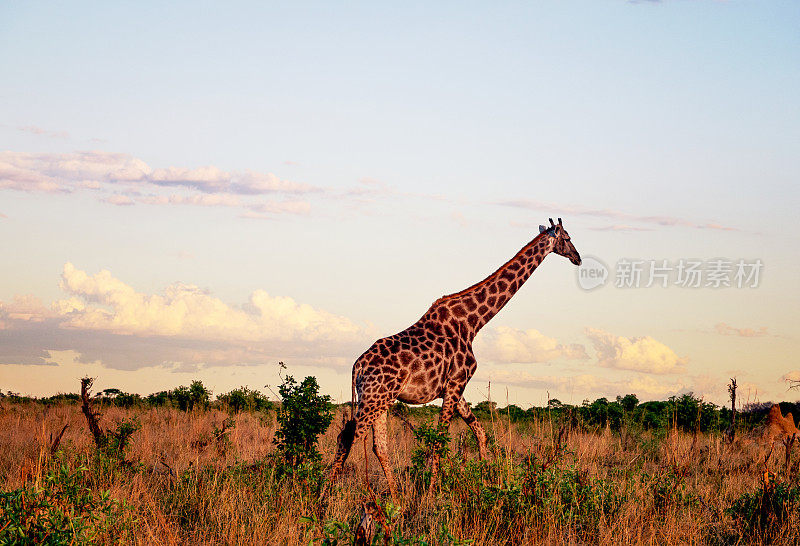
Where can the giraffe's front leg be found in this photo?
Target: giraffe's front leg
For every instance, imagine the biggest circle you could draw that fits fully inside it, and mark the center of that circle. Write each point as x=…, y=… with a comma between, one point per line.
x=473, y=423
x=448, y=409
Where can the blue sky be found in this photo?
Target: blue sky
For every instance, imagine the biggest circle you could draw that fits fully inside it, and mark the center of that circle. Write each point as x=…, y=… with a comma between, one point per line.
x=365, y=159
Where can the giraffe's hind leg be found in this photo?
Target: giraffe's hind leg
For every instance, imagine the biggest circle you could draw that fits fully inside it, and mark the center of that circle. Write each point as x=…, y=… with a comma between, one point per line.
x=344, y=442
x=354, y=430
x=449, y=402
x=477, y=429
x=380, y=447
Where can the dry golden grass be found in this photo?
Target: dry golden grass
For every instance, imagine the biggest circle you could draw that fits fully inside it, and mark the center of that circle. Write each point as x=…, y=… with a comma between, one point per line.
x=665, y=490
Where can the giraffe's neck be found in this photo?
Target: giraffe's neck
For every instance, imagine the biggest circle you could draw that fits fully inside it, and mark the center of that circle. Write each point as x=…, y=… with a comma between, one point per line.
x=478, y=304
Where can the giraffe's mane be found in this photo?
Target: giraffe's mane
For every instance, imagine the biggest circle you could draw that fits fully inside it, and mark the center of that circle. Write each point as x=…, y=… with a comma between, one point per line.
x=490, y=277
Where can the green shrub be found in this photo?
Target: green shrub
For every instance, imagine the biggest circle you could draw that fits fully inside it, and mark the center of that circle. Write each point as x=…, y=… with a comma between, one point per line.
x=118, y=440
x=191, y=397
x=430, y=441
x=761, y=514
x=245, y=399
x=63, y=511
x=304, y=415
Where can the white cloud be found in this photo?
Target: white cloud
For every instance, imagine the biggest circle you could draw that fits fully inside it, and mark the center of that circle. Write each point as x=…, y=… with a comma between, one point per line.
x=576, y=388
x=584, y=386
x=200, y=200
x=102, y=302
x=506, y=345
x=255, y=183
x=120, y=200
x=67, y=170
x=642, y=354
x=25, y=308
x=290, y=207
x=40, y=131
x=208, y=179
x=121, y=179
x=107, y=320
x=728, y=330
x=621, y=227
x=793, y=376
x=663, y=221
x=14, y=177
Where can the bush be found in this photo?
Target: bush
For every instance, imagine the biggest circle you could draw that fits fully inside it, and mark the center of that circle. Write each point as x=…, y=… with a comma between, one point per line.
x=191, y=397
x=763, y=513
x=195, y=396
x=303, y=416
x=244, y=399
x=117, y=440
x=64, y=511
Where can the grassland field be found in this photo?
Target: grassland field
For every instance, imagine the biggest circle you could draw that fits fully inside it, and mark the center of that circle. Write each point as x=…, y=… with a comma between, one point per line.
x=209, y=476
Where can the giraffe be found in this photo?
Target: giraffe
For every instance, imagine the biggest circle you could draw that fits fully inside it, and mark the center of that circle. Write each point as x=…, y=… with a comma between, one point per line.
x=433, y=357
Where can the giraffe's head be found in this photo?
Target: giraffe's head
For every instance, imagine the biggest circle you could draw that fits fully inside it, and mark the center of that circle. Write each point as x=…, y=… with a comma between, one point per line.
x=562, y=245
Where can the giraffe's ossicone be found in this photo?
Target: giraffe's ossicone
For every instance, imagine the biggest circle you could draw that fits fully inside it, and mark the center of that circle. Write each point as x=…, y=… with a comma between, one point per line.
x=433, y=357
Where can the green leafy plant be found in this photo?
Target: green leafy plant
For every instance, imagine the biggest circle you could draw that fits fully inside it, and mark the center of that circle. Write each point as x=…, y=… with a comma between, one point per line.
x=119, y=439
x=329, y=533
x=430, y=442
x=63, y=511
x=244, y=399
x=762, y=513
x=304, y=415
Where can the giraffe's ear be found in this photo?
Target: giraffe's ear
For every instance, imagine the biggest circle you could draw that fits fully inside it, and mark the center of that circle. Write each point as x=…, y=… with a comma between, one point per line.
x=542, y=229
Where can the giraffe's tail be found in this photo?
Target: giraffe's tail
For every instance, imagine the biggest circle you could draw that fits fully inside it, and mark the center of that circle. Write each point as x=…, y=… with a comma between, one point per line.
x=356, y=369
x=347, y=435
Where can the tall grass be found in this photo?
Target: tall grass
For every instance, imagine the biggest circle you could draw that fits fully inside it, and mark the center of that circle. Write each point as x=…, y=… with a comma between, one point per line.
x=186, y=478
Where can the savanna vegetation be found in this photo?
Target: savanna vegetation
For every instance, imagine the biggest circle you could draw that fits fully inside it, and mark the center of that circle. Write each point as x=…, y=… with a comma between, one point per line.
x=185, y=466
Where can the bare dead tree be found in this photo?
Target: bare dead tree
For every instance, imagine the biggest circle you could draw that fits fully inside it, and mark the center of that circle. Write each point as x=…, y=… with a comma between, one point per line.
x=91, y=416
x=730, y=434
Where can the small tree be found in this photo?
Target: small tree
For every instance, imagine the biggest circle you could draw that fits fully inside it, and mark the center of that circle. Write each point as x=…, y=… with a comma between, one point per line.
x=199, y=395
x=303, y=416
x=110, y=393
x=194, y=396
x=244, y=398
x=628, y=402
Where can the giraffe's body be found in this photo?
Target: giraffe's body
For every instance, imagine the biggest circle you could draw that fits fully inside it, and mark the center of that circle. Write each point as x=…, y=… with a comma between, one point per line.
x=433, y=357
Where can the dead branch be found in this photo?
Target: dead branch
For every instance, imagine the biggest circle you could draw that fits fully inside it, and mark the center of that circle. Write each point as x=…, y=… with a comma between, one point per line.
x=54, y=443
x=91, y=416
x=731, y=432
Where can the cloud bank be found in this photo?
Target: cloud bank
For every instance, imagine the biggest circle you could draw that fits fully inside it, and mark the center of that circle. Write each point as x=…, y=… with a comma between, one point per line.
x=510, y=345
x=567, y=387
x=641, y=354
x=104, y=319
x=121, y=179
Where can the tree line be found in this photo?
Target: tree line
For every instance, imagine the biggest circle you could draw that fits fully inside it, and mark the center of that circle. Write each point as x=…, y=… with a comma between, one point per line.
x=685, y=412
